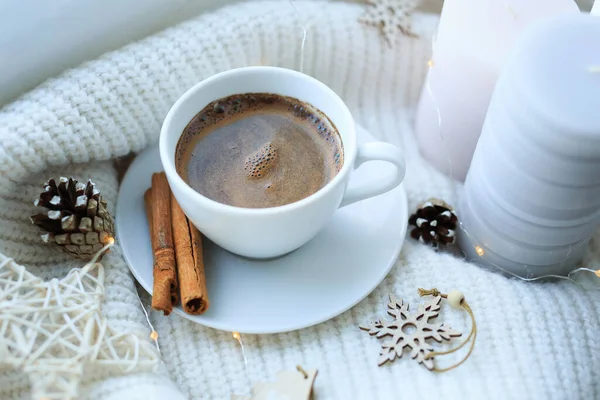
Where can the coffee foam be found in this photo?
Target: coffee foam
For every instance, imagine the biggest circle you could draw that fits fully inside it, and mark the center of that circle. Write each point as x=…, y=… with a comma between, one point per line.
x=259, y=164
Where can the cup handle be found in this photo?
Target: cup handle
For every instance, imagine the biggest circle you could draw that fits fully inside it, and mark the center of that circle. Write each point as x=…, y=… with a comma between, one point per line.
x=376, y=151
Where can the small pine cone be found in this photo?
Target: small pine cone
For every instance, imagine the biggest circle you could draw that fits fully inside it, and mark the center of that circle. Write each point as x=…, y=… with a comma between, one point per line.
x=434, y=223
x=75, y=218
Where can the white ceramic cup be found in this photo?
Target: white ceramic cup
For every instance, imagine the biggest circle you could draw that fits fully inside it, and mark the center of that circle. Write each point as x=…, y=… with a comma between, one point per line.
x=271, y=232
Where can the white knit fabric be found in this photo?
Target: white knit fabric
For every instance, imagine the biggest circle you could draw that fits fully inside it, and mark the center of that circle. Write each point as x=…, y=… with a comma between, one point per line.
x=536, y=341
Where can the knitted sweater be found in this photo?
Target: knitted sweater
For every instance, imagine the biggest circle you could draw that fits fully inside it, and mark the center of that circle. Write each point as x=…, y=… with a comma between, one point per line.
x=535, y=340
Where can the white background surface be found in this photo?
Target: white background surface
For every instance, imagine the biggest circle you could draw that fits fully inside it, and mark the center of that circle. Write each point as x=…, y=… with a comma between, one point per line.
x=41, y=38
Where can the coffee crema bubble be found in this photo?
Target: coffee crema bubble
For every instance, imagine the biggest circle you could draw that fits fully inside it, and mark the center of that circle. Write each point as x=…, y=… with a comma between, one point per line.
x=260, y=163
x=259, y=150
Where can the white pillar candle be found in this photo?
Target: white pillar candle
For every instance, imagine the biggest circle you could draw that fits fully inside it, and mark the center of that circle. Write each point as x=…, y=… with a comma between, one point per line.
x=471, y=43
x=531, y=199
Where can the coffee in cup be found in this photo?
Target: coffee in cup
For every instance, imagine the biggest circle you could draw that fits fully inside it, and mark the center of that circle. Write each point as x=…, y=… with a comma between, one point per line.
x=258, y=150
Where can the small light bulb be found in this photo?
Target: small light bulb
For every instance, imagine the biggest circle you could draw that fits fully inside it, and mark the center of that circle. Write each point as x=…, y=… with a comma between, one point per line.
x=597, y=272
x=111, y=240
x=154, y=336
x=430, y=63
x=235, y=335
x=479, y=251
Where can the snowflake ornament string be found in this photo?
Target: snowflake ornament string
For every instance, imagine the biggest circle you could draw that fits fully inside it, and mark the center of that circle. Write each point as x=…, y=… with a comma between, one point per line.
x=390, y=16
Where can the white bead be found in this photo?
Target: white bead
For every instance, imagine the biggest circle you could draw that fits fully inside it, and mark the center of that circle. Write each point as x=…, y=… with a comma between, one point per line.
x=455, y=299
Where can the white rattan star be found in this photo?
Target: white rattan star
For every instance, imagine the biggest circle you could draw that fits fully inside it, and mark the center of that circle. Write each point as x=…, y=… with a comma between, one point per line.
x=390, y=16
x=54, y=330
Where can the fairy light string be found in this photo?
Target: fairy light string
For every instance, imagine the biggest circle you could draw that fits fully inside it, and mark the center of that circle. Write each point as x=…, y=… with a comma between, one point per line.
x=481, y=253
x=238, y=337
x=153, y=333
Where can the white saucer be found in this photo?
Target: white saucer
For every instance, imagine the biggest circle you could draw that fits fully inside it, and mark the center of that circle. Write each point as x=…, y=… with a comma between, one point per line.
x=317, y=282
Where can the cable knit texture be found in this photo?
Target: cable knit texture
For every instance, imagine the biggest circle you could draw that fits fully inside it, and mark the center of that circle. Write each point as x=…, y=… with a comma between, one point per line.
x=535, y=340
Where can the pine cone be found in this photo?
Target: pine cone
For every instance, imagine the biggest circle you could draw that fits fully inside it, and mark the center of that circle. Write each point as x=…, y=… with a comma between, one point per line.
x=434, y=222
x=75, y=218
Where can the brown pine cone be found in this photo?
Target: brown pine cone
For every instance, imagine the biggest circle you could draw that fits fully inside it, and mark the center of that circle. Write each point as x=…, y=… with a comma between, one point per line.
x=434, y=223
x=75, y=218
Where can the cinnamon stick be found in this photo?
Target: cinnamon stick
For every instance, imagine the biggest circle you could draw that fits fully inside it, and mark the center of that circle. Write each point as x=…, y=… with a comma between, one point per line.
x=164, y=292
x=190, y=263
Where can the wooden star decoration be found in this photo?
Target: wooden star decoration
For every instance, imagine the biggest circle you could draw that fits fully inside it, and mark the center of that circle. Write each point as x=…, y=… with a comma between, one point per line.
x=290, y=385
x=54, y=330
x=390, y=16
x=410, y=330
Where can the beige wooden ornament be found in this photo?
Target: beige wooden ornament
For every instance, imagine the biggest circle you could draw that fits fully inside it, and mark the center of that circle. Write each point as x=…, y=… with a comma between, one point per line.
x=390, y=16
x=290, y=385
x=410, y=330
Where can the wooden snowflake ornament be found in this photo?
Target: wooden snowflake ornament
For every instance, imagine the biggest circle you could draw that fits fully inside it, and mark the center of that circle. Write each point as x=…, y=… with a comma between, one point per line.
x=410, y=330
x=390, y=16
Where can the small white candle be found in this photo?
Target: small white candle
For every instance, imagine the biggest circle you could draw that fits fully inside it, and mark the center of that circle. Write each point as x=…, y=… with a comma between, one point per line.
x=531, y=200
x=471, y=45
